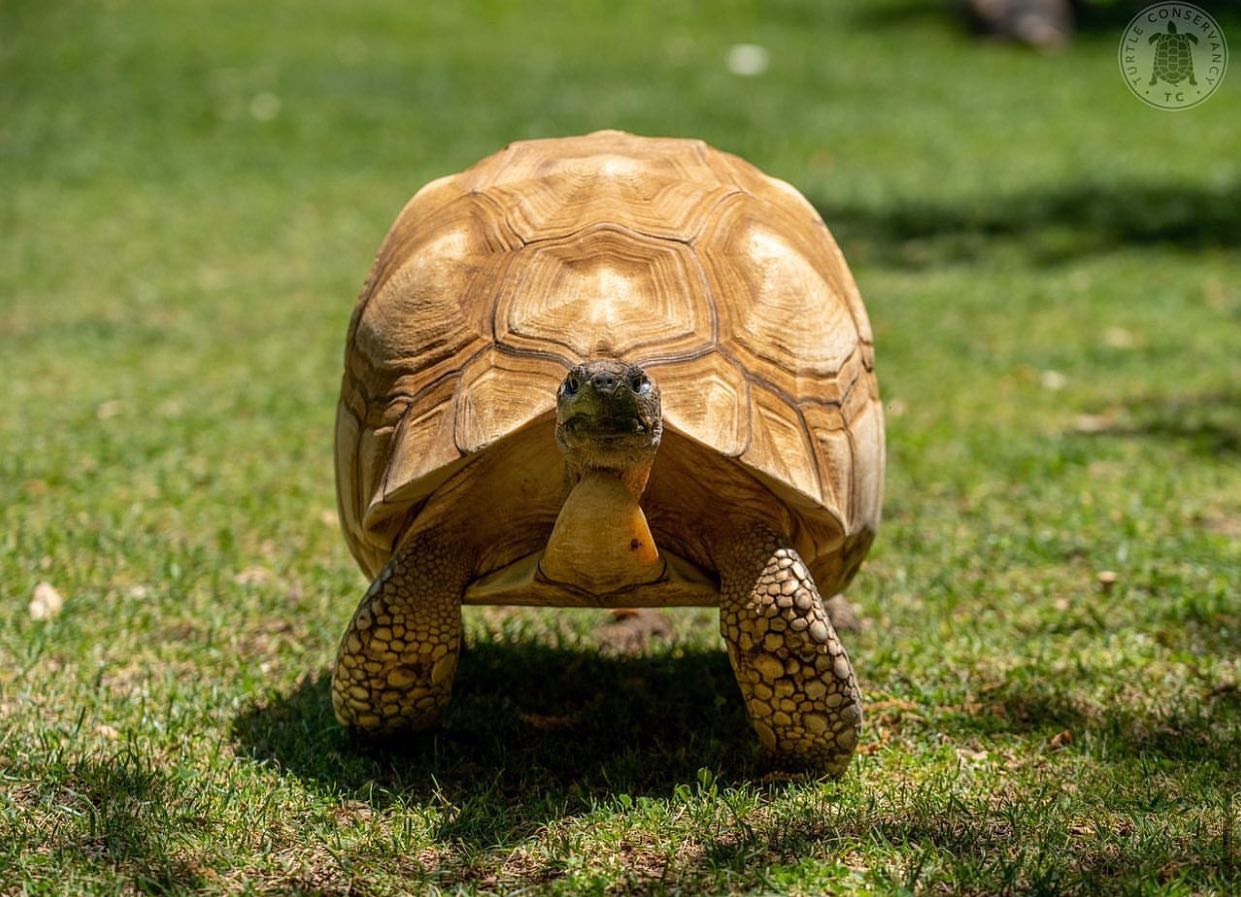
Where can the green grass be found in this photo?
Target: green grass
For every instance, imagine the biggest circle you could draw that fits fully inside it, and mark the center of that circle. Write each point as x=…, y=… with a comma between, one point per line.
x=191, y=196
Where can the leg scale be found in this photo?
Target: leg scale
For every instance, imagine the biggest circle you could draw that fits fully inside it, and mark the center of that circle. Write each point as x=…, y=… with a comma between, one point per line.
x=794, y=673
x=396, y=661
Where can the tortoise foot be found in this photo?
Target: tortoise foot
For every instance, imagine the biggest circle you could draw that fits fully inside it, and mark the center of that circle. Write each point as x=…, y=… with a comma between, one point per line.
x=794, y=673
x=395, y=665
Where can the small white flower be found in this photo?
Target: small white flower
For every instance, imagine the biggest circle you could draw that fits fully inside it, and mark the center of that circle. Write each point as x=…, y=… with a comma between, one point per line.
x=747, y=60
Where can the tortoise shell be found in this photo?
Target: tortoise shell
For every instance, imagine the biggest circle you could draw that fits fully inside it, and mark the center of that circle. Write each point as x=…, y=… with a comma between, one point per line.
x=722, y=282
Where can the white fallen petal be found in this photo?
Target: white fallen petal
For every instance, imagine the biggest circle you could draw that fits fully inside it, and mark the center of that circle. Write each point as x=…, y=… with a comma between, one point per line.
x=47, y=602
x=747, y=60
x=1119, y=338
x=1053, y=380
x=265, y=106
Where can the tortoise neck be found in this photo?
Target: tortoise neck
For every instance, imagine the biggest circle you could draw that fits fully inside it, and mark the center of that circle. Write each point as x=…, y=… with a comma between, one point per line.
x=601, y=541
x=633, y=477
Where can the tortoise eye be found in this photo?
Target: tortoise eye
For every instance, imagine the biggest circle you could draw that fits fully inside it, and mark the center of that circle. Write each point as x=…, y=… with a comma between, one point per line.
x=641, y=384
x=570, y=385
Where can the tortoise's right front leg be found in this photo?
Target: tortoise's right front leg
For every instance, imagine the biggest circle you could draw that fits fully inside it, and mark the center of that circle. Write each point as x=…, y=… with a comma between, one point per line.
x=396, y=662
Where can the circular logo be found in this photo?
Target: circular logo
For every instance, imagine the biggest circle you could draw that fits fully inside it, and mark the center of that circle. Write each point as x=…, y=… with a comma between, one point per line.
x=1173, y=55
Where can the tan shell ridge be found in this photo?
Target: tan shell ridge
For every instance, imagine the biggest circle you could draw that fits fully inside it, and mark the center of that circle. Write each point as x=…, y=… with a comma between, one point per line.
x=725, y=283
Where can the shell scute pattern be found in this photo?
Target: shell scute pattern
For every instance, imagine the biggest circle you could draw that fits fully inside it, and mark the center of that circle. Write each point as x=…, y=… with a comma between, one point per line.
x=709, y=399
x=500, y=393
x=572, y=293
x=724, y=282
x=793, y=331
x=412, y=326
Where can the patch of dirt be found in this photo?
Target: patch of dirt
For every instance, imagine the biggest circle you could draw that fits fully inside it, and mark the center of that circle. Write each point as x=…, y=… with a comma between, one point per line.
x=645, y=862
x=629, y=630
x=548, y=723
x=1224, y=523
x=270, y=638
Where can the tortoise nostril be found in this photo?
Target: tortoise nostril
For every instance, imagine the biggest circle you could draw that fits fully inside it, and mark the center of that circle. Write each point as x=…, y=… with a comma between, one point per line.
x=605, y=382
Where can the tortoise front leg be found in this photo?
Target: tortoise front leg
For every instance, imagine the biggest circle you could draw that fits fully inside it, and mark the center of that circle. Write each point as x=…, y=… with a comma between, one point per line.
x=396, y=662
x=794, y=674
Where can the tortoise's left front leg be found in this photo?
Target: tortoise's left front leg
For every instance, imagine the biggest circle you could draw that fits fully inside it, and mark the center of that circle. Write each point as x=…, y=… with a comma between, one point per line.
x=396, y=661
x=794, y=673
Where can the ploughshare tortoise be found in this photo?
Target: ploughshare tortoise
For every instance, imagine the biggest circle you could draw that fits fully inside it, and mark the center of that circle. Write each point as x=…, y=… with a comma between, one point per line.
x=610, y=371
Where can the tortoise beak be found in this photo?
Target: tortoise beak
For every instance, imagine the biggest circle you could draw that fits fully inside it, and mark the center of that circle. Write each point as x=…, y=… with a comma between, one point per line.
x=606, y=426
x=607, y=402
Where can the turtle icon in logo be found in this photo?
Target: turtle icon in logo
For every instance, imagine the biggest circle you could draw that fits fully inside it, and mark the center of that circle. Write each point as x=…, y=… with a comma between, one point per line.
x=1174, y=57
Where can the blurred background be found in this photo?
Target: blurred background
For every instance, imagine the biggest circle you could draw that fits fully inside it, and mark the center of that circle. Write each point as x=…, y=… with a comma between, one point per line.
x=191, y=194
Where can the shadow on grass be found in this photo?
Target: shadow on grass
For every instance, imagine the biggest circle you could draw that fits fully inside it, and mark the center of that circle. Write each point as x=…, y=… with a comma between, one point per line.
x=537, y=734
x=1207, y=423
x=533, y=733
x=957, y=841
x=1050, y=225
x=1194, y=727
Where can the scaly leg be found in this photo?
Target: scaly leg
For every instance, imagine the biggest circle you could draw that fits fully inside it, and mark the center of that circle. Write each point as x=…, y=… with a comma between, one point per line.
x=793, y=671
x=396, y=662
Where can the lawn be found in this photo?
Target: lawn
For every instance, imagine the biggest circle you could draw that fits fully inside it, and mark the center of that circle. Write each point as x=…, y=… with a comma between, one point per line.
x=191, y=195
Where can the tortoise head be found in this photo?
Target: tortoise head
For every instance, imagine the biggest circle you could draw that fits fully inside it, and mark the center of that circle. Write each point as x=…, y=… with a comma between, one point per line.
x=608, y=416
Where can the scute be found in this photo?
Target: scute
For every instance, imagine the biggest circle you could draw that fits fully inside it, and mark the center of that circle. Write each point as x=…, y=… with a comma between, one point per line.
x=866, y=437
x=666, y=157
x=722, y=281
x=606, y=291
x=427, y=307
x=794, y=332
x=834, y=451
x=558, y=205
x=779, y=444
x=419, y=450
x=500, y=394
x=352, y=478
x=801, y=218
x=707, y=399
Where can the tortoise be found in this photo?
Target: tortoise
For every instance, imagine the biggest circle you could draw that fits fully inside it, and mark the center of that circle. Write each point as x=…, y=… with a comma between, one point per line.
x=1174, y=57
x=610, y=371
